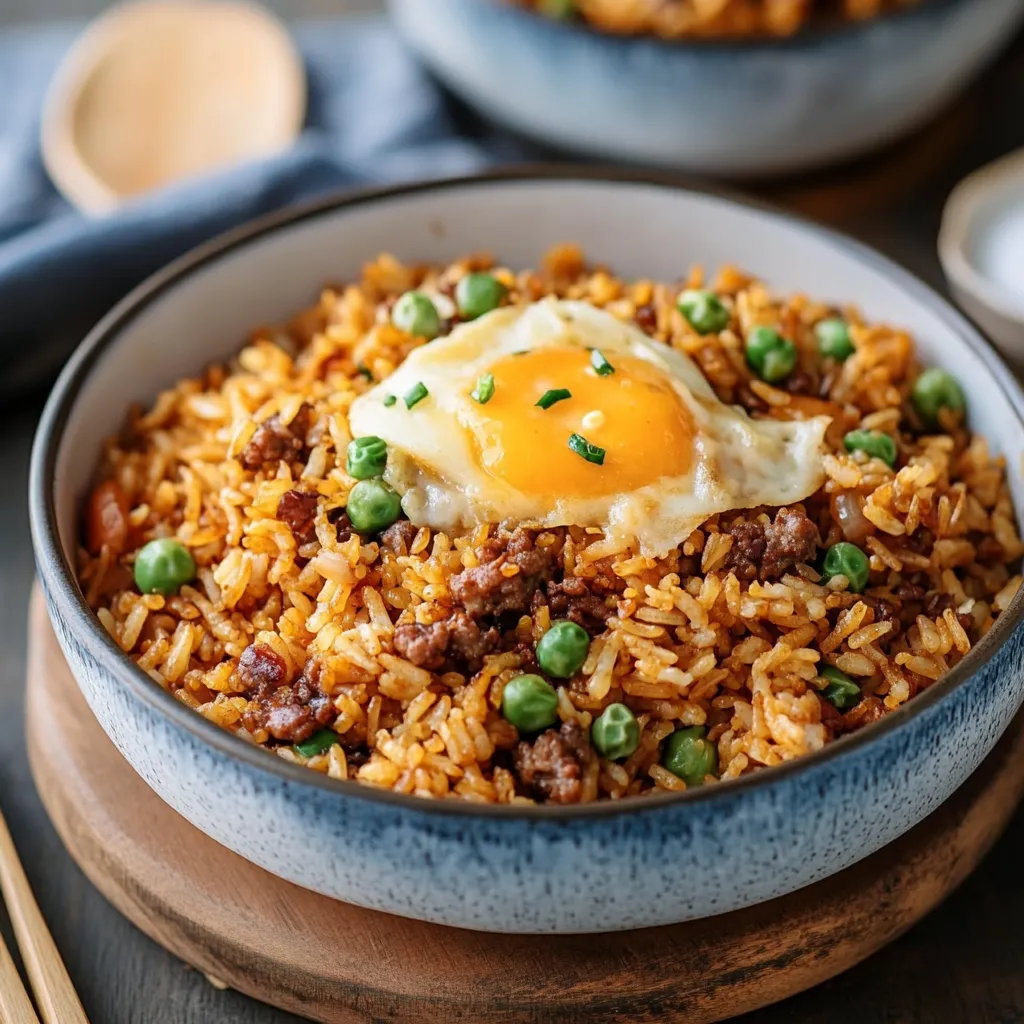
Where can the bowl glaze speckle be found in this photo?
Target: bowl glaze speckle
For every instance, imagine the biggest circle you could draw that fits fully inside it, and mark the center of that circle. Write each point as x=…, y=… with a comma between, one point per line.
x=599, y=867
x=745, y=108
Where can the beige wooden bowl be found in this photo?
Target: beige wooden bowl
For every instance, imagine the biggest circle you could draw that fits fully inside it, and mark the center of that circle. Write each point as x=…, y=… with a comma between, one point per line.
x=159, y=91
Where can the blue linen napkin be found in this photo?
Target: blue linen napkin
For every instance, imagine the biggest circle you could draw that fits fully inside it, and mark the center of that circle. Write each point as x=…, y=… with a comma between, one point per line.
x=374, y=115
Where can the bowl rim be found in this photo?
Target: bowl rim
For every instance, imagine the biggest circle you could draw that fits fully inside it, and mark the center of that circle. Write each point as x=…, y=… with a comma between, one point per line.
x=61, y=582
x=804, y=38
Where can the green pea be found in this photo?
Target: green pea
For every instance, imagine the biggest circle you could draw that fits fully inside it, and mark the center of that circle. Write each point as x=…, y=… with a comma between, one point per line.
x=563, y=649
x=936, y=389
x=163, y=566
x=842, y=692
x=845, y=559
x=703, y=310
x=615, y=733
x=878, y=446
x=373, y=506
x=689, y=756
x=319, y=743
x=366, y=457
x=834, y=340
x=529, y=703
x=770, y=355
x=415, y=314
x=476, y=294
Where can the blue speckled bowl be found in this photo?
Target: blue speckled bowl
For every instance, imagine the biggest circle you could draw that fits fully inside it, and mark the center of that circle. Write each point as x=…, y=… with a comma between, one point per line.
x=731, y=108
x=543, y=869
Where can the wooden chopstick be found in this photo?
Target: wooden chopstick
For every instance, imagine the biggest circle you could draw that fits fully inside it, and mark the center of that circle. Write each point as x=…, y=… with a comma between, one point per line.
x=15, y=1005
x=55, y=995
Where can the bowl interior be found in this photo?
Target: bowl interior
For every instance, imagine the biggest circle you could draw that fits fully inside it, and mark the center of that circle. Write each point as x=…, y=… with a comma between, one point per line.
x=204, y=309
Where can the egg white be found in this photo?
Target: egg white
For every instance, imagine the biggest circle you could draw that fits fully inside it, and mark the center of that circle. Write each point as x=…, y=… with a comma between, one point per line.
x=433, y=463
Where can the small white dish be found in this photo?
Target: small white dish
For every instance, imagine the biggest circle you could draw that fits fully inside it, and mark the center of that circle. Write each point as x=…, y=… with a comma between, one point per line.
x=981, y=246
x=162, y=90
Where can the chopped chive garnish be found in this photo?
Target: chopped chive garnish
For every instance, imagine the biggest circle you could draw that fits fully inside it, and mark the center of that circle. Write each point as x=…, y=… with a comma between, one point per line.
x=365, y=371
x=582, y=447
x=484, y=390
x=389, y=400
x=319, y=743
x=600, y=364
x=549, y=398
x=416, y=394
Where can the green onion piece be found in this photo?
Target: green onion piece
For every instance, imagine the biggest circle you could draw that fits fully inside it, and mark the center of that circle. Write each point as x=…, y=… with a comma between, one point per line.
x=389, y=400
x=549, y=398
x=416, y=394
x=600, y=364
x=365, y=371
x=319, y=743
x=484, y=390
x=582, y=447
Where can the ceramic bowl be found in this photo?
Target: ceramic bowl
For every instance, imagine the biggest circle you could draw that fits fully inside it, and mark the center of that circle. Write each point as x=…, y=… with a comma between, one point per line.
x=515, y=869
x=732, y=108
x=981, y=246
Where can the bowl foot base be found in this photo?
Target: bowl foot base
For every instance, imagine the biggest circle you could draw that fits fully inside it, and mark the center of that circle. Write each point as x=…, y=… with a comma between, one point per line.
x=332, y=962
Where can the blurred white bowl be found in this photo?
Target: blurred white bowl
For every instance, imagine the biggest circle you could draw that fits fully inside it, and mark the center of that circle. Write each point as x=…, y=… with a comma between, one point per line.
x=981, y=247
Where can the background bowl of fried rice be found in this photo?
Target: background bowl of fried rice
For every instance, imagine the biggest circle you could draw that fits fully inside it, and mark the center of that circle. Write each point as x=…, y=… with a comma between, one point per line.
x=605, y=865
x=745, y=106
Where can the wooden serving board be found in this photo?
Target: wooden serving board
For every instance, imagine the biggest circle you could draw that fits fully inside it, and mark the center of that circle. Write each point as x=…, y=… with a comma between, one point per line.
x=323, y=959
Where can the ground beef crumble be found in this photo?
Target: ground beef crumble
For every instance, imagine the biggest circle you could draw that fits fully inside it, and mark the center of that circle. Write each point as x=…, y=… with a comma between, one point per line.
x=791, y=538
x=767, y=552
x=423, y=645
x=470, y=641
x=289, y=713
x=885, y=611
x=553, y=765
x=273, y=441
x=485, y=590
x=339, y=519
x=460, y=639
x=938, y=603
x=989, y=550
x=578, y=599
x=915, y=600
x=646, y=317
x=748, y=544
x=261, y=668
x=398, y=537
x=297, y=510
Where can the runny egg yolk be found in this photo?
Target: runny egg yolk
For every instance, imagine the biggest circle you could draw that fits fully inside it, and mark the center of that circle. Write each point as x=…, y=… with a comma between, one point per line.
x=634, y=414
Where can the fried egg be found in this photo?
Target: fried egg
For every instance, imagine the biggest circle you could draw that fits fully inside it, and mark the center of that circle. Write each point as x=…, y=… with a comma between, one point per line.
x=640, y=446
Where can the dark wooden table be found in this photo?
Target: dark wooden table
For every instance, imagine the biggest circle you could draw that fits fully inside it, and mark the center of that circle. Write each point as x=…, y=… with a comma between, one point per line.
x=964, y=963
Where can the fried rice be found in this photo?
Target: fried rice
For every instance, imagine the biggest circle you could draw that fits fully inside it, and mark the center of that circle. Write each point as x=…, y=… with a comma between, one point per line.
x=682, y=19
x=303, y=613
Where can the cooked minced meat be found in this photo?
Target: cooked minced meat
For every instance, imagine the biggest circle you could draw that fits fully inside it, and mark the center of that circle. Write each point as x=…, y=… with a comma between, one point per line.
x=552, y=766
